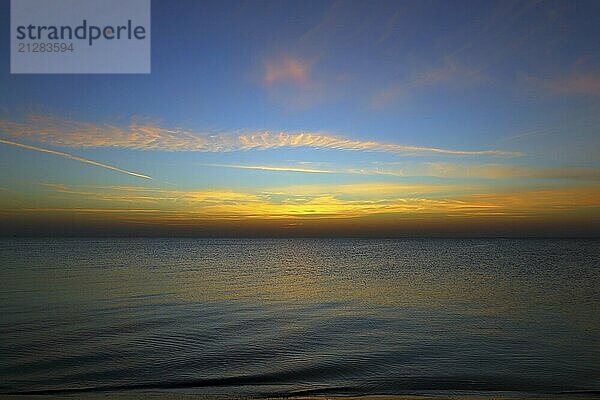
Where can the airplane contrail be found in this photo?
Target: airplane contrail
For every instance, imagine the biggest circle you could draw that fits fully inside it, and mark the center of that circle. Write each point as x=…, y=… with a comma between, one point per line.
x=72, y=157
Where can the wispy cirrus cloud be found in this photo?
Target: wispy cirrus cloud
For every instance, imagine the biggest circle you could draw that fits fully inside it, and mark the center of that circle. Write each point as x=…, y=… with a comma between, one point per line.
x=436, y=169
x=312, y=170
x=449, y=73
x=69, y=133
x=274, y=168
x=74, y=158
x=483, y=171
x=497, y=171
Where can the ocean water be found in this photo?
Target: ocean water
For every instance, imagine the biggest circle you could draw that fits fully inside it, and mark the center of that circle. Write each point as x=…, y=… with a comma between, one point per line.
x=300, y=316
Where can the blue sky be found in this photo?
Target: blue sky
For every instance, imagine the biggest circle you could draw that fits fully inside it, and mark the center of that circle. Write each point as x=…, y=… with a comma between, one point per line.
x=519, y=81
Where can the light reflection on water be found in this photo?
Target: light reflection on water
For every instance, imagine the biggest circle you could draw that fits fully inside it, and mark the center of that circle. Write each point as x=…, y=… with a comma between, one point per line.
x=300, y=316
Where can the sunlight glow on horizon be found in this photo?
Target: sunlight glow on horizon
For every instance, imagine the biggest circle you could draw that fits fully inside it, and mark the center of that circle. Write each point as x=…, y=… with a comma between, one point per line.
x=339, y=117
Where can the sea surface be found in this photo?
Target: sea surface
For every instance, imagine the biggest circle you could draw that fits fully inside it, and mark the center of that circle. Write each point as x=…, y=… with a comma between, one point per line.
x=286, y=317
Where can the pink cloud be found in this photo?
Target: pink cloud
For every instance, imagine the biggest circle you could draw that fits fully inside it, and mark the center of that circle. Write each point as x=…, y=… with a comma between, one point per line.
x=287, y=69
x=574, y=83
x=579, y=84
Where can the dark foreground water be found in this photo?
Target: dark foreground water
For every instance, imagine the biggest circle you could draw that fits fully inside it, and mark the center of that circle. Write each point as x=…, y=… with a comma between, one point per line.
x=282, y=317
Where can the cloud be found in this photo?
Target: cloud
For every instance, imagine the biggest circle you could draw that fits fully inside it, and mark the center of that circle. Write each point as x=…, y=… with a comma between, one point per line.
x=437, y=169
x=309, y=170
x=68, y=133
x=273, y=168
x=287, y=193
x=183, y=206
x=75, y=158
x=449, y=73
x=498, y=171
x=290, y=82
x=580, y=84
x=576, y=83
x=317, y=202
x=371, y=190
x=285, y=70
x=389, y=94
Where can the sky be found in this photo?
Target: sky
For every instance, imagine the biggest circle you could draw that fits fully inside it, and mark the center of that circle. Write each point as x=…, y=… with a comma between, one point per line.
x=317, y=118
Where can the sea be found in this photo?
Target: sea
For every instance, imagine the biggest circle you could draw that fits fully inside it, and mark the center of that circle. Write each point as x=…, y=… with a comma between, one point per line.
x=299, y=317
